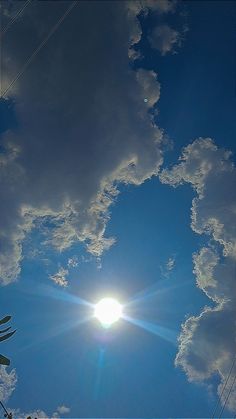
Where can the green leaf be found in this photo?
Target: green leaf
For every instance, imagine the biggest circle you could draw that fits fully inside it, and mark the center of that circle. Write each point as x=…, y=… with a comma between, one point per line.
x=5, y=319
x=4, y=360
x=7, y=336
x=5, y=330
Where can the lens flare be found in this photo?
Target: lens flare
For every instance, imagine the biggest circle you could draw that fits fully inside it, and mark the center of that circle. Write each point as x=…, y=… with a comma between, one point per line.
x=108, y=311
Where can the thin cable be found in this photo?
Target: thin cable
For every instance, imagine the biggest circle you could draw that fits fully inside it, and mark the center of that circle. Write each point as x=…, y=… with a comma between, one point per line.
x=223, y=388
x=227, y=398
x=0, y=53
x=11, y=22
x=5, y=410
x=43, y=43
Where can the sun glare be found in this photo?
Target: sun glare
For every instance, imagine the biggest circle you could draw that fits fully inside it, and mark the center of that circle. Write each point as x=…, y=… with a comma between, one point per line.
x=108, y=311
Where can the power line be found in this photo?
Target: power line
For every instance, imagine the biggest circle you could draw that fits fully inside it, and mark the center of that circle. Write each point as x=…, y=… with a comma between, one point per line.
x=41, y=45
x=0, y=53
x=227, y=397
x=14, y=18
x=7, y=415
x=223, y=388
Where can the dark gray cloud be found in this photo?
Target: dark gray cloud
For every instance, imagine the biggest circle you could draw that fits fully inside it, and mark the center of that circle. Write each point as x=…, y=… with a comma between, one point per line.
x=83, y=126
x=165, y=39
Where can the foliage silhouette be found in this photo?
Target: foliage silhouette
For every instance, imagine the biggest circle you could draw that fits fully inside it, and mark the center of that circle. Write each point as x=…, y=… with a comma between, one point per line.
x=5, y=336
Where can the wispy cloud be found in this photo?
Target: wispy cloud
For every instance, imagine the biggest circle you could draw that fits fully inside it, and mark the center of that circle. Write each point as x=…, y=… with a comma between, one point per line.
x=8, y=382
x=168, y=266
x=73, y=262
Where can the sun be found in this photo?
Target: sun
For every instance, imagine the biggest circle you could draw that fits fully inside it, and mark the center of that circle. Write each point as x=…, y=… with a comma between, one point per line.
x=108, y=311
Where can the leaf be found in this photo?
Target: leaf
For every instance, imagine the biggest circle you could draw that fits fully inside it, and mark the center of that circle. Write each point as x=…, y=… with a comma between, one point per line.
x=5, y=330
x=5, y=319
x=4, y=360
x=7, y=336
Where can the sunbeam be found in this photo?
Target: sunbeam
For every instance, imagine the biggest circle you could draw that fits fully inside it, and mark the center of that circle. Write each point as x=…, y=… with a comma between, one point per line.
x=60, y=294
x=98, y=380
x=57, y=331
x=150, y=292
x=163, y=332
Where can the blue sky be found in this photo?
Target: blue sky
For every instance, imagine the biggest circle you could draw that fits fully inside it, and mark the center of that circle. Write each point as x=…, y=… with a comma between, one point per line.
x=85, y=161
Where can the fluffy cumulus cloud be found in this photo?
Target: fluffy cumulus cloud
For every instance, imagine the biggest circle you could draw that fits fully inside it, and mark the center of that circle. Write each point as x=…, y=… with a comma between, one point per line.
x=208, y=341
x=212, y=174
x=8, y=382
x=165, y=39
x=83, y=126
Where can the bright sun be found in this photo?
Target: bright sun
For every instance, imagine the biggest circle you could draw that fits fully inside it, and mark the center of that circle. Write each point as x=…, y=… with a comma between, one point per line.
x=108, y=311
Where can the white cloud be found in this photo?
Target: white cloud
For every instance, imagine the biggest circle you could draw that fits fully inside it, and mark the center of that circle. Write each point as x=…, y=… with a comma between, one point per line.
x=170, y=263
x=168, y=267
x=37, y=413
x=40, y=414
x=83, y=128
x=8, y=382
x=73, y=262
x=165, y=39
x=63, y=409
x=212, y=174
x=207, y=341
x=60, y=277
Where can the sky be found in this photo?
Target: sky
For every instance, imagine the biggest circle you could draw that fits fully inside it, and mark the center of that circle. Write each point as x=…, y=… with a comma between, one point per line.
x=117, y=177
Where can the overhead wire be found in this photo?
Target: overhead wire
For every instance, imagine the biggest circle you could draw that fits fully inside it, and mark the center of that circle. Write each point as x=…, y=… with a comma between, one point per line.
x=223, y=388
x=7, y=415
x=14, y=18
x=41, y=45
x=0, y=54
x=227, y=397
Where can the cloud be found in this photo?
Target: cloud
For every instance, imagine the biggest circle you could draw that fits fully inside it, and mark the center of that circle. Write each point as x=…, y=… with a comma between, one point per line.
x=83, y=128
x=60, y=277
x=212, y=174
x=134, y=8
x=168, y=267
x=207, y=341
x=63, y=409
x=41, y=414
x=165, y=39
x=8, y=382
x=37, y=413
x=151, y=89
x=73, y=262
x=170, y=264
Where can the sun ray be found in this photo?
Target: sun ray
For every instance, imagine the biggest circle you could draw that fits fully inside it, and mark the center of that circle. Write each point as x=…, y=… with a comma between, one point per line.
x=158, y=288
x=61, y=294
x=57, y=331
x=163, y=332
x=100, y=366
